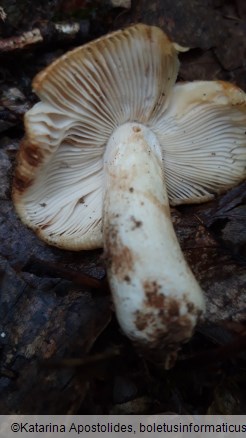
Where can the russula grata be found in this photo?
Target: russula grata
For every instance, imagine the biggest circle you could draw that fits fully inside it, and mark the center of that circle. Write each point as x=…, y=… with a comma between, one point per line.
x=112, y=138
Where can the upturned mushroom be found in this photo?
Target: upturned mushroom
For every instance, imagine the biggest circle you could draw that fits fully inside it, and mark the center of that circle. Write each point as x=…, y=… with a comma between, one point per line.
x=111, y=140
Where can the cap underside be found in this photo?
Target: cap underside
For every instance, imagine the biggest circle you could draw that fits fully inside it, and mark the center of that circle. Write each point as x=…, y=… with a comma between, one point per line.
x=86, y=94
x=203, y=138
x=126, y=76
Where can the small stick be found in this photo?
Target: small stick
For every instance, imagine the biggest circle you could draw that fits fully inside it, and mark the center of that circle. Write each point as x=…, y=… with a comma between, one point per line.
x=81, y=362
x=39, y=267
x=45, y=33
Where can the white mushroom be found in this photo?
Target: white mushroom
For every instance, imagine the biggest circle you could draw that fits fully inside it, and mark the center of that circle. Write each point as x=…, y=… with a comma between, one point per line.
x=111, y=139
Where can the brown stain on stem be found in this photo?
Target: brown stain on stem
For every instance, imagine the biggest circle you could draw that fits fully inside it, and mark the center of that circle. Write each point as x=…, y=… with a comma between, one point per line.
x=161, y=206
x=161, y=319
x=119, y=258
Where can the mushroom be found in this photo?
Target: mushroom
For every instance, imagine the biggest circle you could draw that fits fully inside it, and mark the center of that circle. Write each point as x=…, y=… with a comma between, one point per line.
x=112, y=141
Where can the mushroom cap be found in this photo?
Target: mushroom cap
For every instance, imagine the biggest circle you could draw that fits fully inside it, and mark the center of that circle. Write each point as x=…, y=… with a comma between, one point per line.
x=126, y=76
x=85, y=95
x=203, y=139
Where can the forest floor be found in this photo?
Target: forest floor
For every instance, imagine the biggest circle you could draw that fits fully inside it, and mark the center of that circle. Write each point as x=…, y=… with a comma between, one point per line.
x=61, y=350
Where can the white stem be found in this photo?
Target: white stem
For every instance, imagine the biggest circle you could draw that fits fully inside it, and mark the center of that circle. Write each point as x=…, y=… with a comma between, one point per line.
x=156, y=296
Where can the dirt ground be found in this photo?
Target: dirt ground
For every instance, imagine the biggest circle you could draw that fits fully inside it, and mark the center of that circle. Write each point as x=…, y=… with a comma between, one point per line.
x=61, y=349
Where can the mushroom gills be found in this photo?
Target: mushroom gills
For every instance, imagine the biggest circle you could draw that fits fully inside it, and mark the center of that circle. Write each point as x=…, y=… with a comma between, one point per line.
x=157, y=298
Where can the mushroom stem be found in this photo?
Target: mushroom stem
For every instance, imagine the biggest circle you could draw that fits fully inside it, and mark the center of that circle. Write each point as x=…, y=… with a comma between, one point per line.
x=156, y=296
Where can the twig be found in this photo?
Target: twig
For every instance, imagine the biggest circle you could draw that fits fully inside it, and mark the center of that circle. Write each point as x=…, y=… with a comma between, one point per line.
x=39, y=267
x=45, y=33
x=81, y=362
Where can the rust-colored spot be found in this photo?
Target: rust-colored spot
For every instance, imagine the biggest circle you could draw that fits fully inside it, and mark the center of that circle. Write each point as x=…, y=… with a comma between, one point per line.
x=148, y=31
x=136, y=223
x=165, y=329
x=155, y=201
x=228, y=86
x=118, y=257
x=191, y=307
x=44, y=226
x=153, y=297
x=235, y=95
x=141, y=320
x=122, y=260
x=32, y=155
x=136, y=129
x=21, y=183
x=173, y=308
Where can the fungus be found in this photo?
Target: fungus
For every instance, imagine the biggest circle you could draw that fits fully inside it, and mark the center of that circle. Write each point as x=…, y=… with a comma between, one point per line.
x=111, y=140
